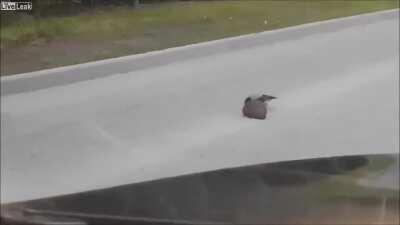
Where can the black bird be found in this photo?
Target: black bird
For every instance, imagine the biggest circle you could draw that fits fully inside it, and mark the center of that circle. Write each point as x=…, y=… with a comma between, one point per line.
x=256, y=106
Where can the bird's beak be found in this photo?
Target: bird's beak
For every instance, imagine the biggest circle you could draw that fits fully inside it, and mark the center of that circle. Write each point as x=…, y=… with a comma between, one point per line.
x=268, y=97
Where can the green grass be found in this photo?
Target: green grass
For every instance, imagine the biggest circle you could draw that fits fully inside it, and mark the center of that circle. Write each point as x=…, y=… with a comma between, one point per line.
x=209, y=20
x=122, y=30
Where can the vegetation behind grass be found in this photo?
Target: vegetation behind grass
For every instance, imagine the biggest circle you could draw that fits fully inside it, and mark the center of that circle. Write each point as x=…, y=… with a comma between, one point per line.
x=164, y=25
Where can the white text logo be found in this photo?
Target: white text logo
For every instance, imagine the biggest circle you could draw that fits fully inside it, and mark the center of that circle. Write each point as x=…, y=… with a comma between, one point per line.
x=14, y=6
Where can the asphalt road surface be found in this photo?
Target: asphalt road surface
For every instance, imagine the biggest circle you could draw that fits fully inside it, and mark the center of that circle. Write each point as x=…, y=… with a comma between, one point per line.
x=178, y=111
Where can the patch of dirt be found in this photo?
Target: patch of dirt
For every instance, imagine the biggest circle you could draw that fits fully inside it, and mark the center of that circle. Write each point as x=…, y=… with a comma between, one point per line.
x=41, y=54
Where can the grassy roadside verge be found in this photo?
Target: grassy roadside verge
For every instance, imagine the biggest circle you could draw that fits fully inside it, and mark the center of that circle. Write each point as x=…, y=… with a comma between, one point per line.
x=29, y=44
